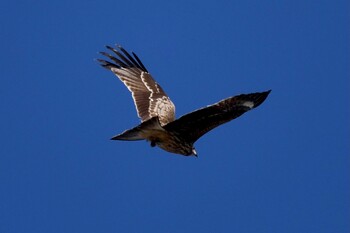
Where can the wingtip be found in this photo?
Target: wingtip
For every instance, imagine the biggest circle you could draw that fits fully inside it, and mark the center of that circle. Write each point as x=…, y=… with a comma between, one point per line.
x=119, y=47
x=267, y=92
x=261, y=97
x=101, y=61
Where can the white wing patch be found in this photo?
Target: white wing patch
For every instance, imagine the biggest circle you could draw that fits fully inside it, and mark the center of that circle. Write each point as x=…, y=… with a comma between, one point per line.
x=248, y=104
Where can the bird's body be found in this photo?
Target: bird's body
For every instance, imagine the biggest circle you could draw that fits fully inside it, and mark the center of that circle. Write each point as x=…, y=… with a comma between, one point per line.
x=157, y=111
x=152, y=131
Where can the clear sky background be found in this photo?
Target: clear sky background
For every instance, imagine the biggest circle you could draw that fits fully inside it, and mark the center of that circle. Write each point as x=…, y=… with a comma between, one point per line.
x=283, y=167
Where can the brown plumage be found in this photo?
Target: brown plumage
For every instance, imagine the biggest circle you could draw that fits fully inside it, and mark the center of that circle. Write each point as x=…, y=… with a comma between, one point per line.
x=157, y=112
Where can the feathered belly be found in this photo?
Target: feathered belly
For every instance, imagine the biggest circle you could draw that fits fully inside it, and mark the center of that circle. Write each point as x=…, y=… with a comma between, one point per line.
x=167, y=141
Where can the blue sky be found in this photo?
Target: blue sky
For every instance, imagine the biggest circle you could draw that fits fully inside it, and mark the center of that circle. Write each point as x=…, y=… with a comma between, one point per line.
x=283, y=167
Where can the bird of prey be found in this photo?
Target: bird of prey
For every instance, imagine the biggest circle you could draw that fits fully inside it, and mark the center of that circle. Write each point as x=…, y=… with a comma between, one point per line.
x=157, y=111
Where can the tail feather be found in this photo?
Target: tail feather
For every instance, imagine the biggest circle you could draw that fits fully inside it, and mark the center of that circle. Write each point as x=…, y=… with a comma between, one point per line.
x=129, y=135
x=137, y=133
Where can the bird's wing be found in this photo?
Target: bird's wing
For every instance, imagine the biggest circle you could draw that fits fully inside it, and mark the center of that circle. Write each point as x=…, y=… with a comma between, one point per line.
x=149, y=98
x=192, y=126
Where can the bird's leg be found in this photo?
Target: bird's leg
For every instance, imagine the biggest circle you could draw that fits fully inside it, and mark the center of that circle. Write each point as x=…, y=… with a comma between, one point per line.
x=153, y=143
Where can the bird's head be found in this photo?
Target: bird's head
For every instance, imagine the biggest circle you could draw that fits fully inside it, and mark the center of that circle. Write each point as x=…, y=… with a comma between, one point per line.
x=194, y=152
x=190, y=151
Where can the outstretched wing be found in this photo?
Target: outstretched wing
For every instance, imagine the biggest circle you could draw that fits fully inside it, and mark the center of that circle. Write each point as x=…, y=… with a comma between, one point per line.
x=192, y=126
x=149, y=98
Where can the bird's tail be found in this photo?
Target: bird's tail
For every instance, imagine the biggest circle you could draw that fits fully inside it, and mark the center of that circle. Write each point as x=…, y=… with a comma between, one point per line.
x=140, y=131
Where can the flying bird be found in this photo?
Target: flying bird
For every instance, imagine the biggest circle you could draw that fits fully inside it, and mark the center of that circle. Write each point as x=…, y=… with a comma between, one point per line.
x=157, y=112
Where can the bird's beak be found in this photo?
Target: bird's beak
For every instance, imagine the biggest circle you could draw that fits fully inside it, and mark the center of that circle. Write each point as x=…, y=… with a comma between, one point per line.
x=194, y=152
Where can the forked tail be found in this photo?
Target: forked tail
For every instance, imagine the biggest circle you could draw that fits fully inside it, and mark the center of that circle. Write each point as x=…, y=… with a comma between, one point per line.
x=140, y=131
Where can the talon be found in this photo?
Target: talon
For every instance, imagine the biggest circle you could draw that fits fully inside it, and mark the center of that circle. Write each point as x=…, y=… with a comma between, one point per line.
x=153, y=143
